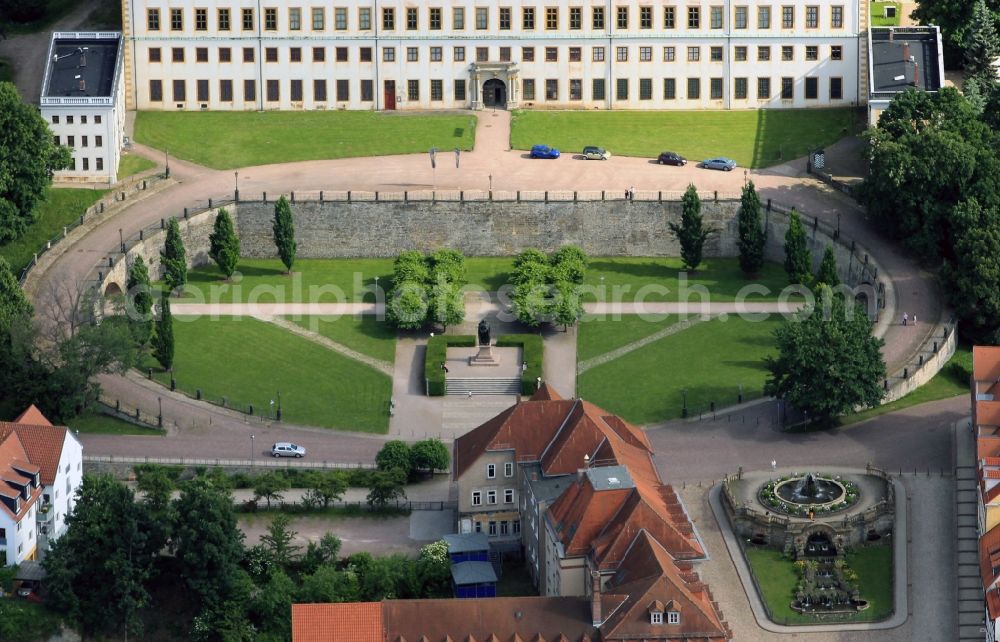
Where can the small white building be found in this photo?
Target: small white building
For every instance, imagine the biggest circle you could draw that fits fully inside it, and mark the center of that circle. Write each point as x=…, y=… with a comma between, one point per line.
x=41, y=468
x=83, y=102
x=902, y=58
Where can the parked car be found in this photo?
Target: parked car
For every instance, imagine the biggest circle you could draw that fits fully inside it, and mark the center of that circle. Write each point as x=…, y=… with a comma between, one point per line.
x=544, y=151
x=671, y=158
x=591, y=152
x=723, y=163
x=287, y=449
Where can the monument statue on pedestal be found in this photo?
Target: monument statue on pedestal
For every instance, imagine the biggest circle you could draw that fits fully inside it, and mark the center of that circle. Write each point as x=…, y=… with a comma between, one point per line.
x=485, y=356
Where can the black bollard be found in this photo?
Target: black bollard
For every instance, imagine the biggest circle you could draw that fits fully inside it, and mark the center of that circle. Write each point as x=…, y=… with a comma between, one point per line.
x=150, y=373
x=163, y=224
x=173, y=383
x=251, y=409
x=197, y=394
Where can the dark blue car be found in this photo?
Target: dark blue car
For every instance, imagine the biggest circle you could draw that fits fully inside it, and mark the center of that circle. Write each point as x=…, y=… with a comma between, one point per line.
x=544, y=151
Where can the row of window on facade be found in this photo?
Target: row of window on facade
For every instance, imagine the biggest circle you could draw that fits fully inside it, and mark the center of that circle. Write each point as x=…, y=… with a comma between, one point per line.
x=70, y=119
x=491, y=496
x=503, y=18
x=84, y=141
x=692, y=53
x=529, y=91
x=499, y=528
x=85, y=164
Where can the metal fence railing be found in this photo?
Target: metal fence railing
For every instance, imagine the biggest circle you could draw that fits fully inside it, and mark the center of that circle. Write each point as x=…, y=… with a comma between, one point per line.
x=231, y=463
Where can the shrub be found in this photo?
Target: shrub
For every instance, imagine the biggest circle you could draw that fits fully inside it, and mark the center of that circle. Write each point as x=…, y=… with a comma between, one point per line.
x=436, y=354
x=532, y=351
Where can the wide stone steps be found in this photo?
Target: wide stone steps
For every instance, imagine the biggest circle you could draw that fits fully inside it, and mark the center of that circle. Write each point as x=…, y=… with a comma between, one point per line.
x=483, y=386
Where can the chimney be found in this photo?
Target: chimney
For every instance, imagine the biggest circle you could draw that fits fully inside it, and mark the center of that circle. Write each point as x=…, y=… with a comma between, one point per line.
x=595, y=598
x=83, y=85
x=586, y=464
x=916, y=74
x=906, y=51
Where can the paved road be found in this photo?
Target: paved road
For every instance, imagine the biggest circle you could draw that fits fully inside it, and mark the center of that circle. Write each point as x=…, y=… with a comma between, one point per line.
x=510, y=170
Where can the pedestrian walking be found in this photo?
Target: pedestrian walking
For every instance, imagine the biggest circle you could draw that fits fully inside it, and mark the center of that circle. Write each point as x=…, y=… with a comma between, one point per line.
x=774, y=465
x=444, y=367
x=631, y=193
x=470, y=394
x=914, y=319
x=906, y=318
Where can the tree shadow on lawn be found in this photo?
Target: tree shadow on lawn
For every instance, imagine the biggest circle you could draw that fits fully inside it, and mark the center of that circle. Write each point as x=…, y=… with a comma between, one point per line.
x=642, y=269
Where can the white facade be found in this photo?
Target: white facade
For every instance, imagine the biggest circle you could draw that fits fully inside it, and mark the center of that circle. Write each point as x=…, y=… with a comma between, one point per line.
x=59, y=498
x=19, y=536
x=576, y=54
x=92, y=125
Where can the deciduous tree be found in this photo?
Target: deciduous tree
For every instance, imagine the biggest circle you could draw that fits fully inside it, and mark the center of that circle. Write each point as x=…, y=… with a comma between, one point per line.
x=386, y=486
x=13, y=304
x=279, y=540
x=28, y=156
x=284, y=232
x=430, y=454
x=224, y=244
x=447, y=304
x=270, y=486
x=751, y=230
x=324, y=487
x=974, y=272
x=828, y=362
x=692, y=231
x=395, y=455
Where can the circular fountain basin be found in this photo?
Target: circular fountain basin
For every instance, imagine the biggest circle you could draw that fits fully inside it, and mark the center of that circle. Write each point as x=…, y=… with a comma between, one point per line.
x=818, y=492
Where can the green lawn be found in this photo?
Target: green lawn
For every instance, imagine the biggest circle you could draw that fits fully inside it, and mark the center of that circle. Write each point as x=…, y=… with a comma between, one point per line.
x=878, y=14
x=226, y=140
x=327, y=280
x=777, y=579
x=95, y=423
x=317, y=386
x=366, y=334
x=647, y=276
x=600, y=334
x=754, y=138
x=60, y=207
x=710, y=360
x=951, y=381
x=131, y=164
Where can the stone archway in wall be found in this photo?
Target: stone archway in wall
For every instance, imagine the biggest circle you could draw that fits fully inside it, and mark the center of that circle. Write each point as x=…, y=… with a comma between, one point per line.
x=113, y=290
x=495, y=94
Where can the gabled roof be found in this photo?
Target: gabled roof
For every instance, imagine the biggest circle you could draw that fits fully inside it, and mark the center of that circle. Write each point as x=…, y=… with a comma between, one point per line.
x=986, y=363
x=14, y=470
x=32, y=416
x=473, y=573
x=43, y=444
x=507, y=618
x=345, y=622
x=993, y=603
x=546, y=392
x=989, y=557
x=582, y=512
x=648, y=576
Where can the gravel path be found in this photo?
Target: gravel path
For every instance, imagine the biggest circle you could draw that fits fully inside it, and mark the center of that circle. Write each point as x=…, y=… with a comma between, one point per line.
x=382, y=366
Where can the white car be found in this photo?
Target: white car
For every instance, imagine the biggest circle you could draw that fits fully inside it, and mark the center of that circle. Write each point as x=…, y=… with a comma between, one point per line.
x=592, y=152
x=287, y=449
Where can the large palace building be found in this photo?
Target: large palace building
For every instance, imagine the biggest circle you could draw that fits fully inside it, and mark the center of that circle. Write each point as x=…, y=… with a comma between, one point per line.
x=444, y=54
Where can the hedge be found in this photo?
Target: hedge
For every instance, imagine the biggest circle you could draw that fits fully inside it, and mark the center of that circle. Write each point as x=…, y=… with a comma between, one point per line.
x=437, y=353
x=532, y=351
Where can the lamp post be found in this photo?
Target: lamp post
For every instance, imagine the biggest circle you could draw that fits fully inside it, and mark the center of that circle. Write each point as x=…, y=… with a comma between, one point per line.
x=159, y=418
x=491, y=182
x=838, y=225
x=166, y=157
x=236, y=194
x=684, y=410
x=278, y=415
x=251, y=450
x=121, y=239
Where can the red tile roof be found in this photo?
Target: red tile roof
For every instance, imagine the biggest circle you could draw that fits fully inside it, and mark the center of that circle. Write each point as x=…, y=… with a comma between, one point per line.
x=43, y=444
x=987, y=447
x=346, y=622
x=989, y=557
x=993, y=603
x=986, y=363
x=527, y=618
x=987, y=413
x=650, y=578
x=15, y=468
x=545, y=392
x=32, y=416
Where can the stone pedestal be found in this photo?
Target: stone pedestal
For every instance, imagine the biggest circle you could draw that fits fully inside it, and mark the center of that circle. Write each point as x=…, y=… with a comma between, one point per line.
x=484, y=357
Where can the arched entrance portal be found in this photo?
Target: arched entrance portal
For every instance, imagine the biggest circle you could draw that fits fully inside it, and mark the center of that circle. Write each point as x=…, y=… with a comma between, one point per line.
x=495, y=93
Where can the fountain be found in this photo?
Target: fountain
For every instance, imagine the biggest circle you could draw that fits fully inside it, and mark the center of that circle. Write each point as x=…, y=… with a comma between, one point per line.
x=810, y=489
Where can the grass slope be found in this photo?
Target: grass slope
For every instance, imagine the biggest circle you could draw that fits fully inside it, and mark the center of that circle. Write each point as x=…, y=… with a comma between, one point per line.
x=878, y=18
x=754, y=138
x=95, y=423
x=318, y=387
x=598, y=335
x=131, y=164
x=366, y=334
x=226, y=140
x=60, y=207
x=333, y=280
x=710, y=360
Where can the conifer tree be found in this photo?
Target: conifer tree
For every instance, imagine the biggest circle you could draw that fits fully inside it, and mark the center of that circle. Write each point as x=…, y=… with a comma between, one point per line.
x=798, y=260
x=692, y=232
x=174, y=258
x=751, y=241
x=284, y=232
x=225, y=245
x=140, y=299
x=163, y=342
x=827, y=274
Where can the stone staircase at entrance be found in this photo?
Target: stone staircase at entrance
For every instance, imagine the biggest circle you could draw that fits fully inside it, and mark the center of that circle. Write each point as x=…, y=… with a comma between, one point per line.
x=484, y=386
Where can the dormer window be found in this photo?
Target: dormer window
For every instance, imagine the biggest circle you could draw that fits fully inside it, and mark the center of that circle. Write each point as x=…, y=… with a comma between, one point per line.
x=673, y=617
x=656, y=617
